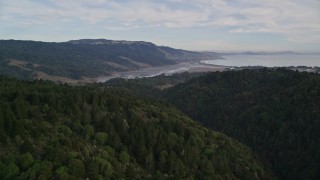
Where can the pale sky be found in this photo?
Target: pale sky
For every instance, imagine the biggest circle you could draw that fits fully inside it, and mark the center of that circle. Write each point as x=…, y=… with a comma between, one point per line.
x=215, y=25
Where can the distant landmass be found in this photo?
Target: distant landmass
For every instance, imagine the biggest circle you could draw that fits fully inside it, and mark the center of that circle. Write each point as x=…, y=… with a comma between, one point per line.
x=260, y=53
x=86, y=58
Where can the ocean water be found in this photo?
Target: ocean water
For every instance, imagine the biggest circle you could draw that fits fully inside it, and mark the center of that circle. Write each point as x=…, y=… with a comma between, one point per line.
x=310, y=60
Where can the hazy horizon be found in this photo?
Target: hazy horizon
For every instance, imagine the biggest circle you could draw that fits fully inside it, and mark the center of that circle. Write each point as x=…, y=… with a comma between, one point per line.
x=201, y=25
x=218, y=51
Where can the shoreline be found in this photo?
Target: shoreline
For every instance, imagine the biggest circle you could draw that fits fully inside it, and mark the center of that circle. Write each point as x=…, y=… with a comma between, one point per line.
x=167, y=70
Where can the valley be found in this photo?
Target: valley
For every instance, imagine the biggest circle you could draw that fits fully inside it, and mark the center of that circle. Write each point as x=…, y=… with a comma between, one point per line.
x=93, y=108
x=159, y=90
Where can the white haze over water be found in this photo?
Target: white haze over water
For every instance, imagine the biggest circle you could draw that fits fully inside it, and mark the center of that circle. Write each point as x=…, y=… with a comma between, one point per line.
x=221, y=64
x=155, y=71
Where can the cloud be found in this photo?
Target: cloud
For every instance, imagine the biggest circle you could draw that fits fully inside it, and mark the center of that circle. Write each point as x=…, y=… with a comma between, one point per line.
x=292, y=19
x=296, y=20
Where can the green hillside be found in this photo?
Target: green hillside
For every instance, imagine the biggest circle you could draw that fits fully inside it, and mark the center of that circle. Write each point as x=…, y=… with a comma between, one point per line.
x=50, y=131
x=275, y=112
x=87, y=58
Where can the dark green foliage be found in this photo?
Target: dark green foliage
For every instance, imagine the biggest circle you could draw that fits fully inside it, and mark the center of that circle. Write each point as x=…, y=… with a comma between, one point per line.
x=26, y=160
x=276, y=112
x=62, y=132
x=10, y=171
x=76, y=168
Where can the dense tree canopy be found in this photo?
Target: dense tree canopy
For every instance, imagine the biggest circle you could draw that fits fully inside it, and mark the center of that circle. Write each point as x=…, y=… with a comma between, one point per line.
x=276, y=112
x=50, y=131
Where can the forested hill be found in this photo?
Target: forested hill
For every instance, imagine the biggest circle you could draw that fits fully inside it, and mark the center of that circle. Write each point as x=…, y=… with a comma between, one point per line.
x=50, y=131
x=89, y=58
x=276, y=112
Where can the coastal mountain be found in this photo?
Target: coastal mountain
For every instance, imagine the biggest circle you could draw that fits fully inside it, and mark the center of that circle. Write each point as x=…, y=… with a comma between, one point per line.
x=50, y=131
x=86, y=58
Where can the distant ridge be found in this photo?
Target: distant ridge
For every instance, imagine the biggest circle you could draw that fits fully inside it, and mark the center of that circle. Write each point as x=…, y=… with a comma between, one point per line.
x=109, y=42
x=86, y=58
